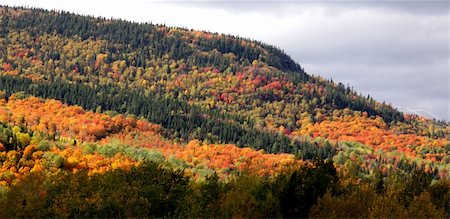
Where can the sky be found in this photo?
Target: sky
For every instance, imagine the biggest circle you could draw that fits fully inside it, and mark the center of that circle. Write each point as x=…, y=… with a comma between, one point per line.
x=395, y=51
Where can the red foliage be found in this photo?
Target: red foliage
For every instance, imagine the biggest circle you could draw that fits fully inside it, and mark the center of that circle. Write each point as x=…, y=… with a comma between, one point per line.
x=274, y=85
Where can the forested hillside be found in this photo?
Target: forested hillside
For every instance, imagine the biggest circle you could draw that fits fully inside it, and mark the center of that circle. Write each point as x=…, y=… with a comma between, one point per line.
x=202, y=115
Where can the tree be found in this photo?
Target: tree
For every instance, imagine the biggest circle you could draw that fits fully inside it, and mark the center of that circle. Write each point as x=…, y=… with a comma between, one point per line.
x=300, y=190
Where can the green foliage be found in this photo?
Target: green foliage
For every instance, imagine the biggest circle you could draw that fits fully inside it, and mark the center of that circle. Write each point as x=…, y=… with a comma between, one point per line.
x=139, y=154
x=145, y=155
x=151, y=190
x=416, y=185
x=300, y=189
x=53, y=160
x=364, y=200
x=23, y=139
x=111, y=149
x=423, y=207
x=25, y=199
x=200, y=171
x=204, y=200
x=147, y=191
x=249, y=197
x=14, y=138
x=440, y=194
x=21, y=95
x=176, y=163
x=89, y=148
x=43, y=145
x=2, y=158
x=352, y=204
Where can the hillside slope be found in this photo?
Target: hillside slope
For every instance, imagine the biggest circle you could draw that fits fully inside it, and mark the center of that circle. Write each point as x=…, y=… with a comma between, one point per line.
x=109, y=118
x=212, y=87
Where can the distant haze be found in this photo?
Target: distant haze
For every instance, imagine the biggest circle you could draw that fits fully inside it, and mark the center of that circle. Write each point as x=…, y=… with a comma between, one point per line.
x=396, y=51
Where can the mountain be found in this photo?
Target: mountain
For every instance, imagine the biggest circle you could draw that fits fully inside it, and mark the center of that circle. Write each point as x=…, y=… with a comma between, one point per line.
x=203, y=103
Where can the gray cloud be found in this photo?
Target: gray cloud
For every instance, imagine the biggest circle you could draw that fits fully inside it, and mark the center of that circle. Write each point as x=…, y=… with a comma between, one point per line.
x=392, y=54
x=437, y=7
x=410, y=88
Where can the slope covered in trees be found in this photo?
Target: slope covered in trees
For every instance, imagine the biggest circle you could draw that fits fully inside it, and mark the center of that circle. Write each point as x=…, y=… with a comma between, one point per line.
x=54, y=171
x=234, y=123
x=48, y=135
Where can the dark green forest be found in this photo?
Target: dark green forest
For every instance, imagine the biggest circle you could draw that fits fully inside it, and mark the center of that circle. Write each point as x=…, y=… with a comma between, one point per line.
x=152, y=191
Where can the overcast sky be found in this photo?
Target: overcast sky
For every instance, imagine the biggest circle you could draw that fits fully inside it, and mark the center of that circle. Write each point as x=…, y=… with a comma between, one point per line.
x=397, y=51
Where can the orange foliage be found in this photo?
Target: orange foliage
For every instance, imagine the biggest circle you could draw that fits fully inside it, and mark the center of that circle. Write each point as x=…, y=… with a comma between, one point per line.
x=20, y=163
x=54, y=117
x=6, y=67
x=216, y=156
x=371, y=132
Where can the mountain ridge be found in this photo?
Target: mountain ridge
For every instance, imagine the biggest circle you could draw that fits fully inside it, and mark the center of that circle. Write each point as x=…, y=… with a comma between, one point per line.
x=205, y=86
x=113, y=118
x=210, y=61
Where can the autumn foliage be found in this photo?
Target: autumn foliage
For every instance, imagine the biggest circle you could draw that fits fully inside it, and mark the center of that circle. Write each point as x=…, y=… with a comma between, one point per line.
x=84, y=140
